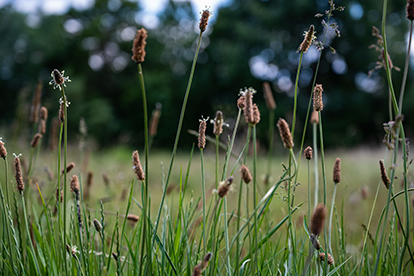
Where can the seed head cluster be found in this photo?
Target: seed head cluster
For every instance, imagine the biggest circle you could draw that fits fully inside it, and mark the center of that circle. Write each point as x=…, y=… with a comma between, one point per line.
x=204, y=20
x=137, y=166
x=74, y=184
x=35, y=140
x=69, y=167
x=307, y=41
x=318, y=219
x=18, y=174
x=317, y=98
x=218, y=123
x=138, y=48
x=308, y=153
x=385, y=179
x=3, y=151
x=322, y=258
x=202, y=133
x=224, y=187
x=410, y=10
x=201, y=266
x=245, y=174
x=337, y=171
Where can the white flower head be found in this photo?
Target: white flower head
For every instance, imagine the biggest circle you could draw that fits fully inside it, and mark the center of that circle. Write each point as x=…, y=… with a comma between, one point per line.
x=58, y=79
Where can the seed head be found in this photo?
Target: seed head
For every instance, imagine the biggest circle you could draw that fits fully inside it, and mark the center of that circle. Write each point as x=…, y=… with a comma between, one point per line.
x=202, y=133
x=137, y=166
x=308, y=153
x=318, y=219
x=248, y=106
x=224, y=187
x=256, y=115
x=307, y=41
x=268, y=96
x=317, y=97
x=314, y=118
x=410, y=10
x=132, y=217
x=58, y=79
x=322, y=258
x=285, y=133
x=138, y=48
x=218, y=123
x=240, y=101
x=62, y=112
x=245, y=174
x=18, y=174
x=3, y=151
x=69, y=167
x=97, y=224
x=204, y=20
x=74, y=184
x=201, y=266
x=385, y=179
x=337, y=171
x=43, y=113
x=35, y=140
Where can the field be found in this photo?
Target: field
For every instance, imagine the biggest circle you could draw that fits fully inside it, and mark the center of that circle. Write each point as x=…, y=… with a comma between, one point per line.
x=224, y=205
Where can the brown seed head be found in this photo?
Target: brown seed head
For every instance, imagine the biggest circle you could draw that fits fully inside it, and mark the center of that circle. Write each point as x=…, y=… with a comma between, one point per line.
x=69, y=167
x=240, y=101
x=245, y=174
x=256, y=115
x=35, y=140
x=315, y=242
x=3, y=151
x=97, y=225
x=218, y=123
x=308, y=153
x=322, y=258
x=248, y=106
x=197, y=270
x=57, y=77
x=314, y=118
x=307, y=41
x=138, y=48
x=18, y=174
x=132, y=217
x=224, y=187
x=268, y=96
x=317, y=97
x=137, y=166
x=204, y=20
x=89, y=179
x=385, y=179
x=42, y=127
x=74, y=184
x=318, y=219
x=410, y=10
x=202, y=134
x=285, y=133
x=43, y=113
x=62, y=112
x=155, y=117
x=206, y=259
x=34, y=109
x=337, y=171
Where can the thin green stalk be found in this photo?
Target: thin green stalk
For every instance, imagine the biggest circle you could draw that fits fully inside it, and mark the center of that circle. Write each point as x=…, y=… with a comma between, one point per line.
x=146, y=188
x=270, y=153
x=65, y=141
x=226, y=235
x=407, y=62
x=204, y=203
x=6, y=228
x=315, y=163
x=217, y=160
x=296, y=95
x=177, y=136
x=330, y=218
x=309, y=192
x=255, y=258
x=29, y=237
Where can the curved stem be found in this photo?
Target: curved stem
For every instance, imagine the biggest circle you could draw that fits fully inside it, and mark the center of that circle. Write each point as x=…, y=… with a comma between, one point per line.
x=315, y=162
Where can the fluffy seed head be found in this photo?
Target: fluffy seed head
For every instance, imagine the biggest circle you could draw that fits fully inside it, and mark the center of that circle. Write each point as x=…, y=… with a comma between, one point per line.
x=318, y=219
x=204, y=20
x=268, y=96
x=74, y=184
x=69, y=167
x=337, y=171
x=132, y=217
x=322, y=258
x=245, y=174
x=317, y=97
x=18, y=174
x=35, y=140
x=410, y=10
x=285, y=134
x=385, y=179
x=224, y=187
x=218, y=123
x=137, y=166
x=308, y=153
x=3, y=151
x=314, y=118
x=307, y=41
x=202, y=133
x=97, y=225
x=138, y=48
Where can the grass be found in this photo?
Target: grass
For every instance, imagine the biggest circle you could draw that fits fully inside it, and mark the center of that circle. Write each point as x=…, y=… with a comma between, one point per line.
x=190, y=222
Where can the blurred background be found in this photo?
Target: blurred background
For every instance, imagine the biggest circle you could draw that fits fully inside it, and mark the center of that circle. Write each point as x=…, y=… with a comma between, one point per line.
x=247, y=42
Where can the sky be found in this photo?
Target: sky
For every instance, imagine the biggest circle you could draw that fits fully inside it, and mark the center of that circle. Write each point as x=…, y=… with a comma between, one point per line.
x=150, y=7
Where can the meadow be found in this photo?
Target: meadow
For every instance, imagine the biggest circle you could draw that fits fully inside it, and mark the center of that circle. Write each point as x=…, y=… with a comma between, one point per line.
x=224, y=205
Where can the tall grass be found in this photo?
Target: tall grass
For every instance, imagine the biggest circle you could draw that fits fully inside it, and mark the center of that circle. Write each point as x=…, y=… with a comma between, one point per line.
x=195, y=232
